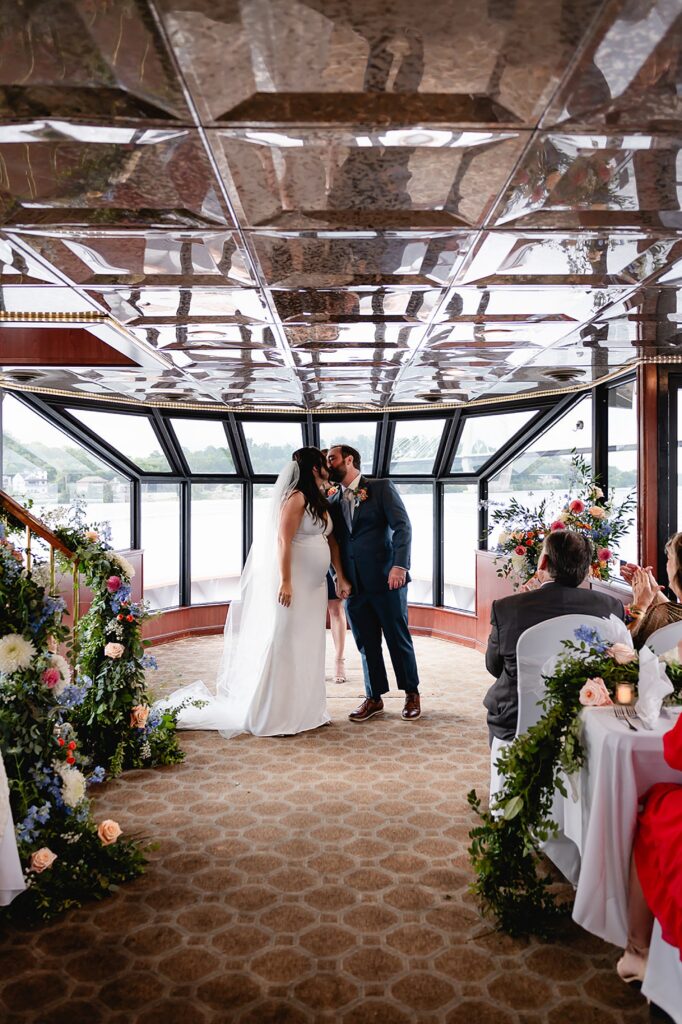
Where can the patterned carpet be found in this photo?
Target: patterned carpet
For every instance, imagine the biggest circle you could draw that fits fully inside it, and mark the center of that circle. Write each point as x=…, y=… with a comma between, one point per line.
x=314, y=878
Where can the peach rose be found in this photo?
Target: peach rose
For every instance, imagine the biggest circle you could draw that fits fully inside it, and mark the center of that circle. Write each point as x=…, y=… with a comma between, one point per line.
x=138, y=716
x=621, y=654
x=41, y=859
x=597, y=512
x=113, y=650
x=594, y=693
x=108, y=831
x=92, y=535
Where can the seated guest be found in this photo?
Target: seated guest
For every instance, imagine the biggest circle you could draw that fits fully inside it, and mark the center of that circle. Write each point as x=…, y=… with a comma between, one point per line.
x=656, y=867
x=650, y=609
x=565, y=559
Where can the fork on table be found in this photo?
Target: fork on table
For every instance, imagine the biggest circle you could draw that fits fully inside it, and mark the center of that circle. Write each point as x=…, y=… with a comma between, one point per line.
x=624, y=715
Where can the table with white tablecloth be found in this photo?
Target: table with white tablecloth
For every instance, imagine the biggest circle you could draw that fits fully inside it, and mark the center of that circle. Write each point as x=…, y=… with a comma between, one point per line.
x=599, y=816
x=11, y=877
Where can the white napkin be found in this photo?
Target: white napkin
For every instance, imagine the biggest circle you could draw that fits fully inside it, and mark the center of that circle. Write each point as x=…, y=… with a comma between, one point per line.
x=614, y=631
x=652, y=687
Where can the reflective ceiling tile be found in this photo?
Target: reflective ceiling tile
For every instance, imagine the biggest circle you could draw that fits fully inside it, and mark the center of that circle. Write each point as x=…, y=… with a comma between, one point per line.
x=373, y=63
x=133, y=257
x=567, y=181
x=630, y=74
x=321, y=336
x=205, y=335
x=183, y=305
x=398, y=178
x=329, y=259
x=85, y=60
x=397, y=304
x=77, y=175
x=17, y=266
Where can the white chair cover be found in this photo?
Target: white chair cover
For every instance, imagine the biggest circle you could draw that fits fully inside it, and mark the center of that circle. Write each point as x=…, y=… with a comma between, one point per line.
x=534, y=648
x=665, y=638
x=11, y=877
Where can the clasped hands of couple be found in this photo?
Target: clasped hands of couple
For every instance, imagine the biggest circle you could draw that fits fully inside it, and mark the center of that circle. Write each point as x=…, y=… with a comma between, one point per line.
x=396, y=579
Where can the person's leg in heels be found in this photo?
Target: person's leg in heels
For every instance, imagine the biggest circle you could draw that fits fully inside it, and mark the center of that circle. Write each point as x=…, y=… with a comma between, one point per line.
x=337, y=622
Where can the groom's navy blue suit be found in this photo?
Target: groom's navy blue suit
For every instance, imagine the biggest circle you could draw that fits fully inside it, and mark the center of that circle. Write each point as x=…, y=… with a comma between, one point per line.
x=380, y=537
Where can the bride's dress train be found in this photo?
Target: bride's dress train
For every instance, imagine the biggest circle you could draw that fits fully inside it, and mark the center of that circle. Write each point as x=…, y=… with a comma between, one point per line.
x=271, y=680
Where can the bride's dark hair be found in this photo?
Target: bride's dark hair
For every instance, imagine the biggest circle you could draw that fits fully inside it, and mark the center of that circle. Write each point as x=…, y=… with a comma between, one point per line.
x=315, y=501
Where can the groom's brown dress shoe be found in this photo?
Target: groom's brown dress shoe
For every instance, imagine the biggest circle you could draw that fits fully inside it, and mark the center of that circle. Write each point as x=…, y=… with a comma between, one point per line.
x=368, y=709
x=412, y=707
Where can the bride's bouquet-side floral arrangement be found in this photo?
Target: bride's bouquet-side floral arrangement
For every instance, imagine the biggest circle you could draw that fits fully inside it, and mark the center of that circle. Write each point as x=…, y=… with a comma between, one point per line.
x=505, y=845
x=586, y=510
x=68, y=855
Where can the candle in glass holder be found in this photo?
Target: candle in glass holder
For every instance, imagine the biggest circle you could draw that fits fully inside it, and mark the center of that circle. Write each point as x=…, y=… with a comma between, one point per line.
x=624, y=693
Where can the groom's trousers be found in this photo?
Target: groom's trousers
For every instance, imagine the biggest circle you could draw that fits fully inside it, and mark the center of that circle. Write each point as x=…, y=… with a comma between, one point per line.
x=370, y=615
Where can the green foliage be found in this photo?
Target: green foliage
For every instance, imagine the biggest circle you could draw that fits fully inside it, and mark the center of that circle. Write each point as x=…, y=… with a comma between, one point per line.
x=505, y=847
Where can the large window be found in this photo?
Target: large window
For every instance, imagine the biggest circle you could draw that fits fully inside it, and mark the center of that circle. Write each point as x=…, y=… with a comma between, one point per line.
x=204, y=445
x=482, y=436
x=543, y=470
x=41, y=462
x=418, y=500
x=460, y=541
x=361, y=436
x=271, y=443
x=161, y=543
x=622, y=466
x=132, y=436
x=415, y=446
x=216, y=542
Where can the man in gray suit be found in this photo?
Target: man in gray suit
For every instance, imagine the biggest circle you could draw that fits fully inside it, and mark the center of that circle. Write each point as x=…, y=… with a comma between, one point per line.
x=565, y=558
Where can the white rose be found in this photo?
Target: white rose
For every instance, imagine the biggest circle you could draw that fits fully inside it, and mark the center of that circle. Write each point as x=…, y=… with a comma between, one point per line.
x=16, y=653
x=64, y=669
x=124, y=565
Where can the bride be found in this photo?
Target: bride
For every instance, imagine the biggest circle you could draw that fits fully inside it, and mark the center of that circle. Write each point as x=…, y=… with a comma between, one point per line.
x=271, y=680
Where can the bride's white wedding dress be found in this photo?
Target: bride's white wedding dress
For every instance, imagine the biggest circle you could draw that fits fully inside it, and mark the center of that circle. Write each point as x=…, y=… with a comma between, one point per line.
x=271, y=680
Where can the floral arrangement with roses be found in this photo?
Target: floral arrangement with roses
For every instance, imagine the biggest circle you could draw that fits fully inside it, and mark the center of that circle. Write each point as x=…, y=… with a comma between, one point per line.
x=587, y=511
x=68, y=856
x=505, y=845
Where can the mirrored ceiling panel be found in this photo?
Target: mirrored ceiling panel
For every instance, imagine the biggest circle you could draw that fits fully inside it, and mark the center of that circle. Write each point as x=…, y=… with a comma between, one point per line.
x=182, y=305
x=334, y=259
x=339, y=60
x=20, y=267
x=363, y=333
x=143, y=257
x=392, y=305
x=591, y=180
x=67, y=174
x=398, y=178
x=76, y=59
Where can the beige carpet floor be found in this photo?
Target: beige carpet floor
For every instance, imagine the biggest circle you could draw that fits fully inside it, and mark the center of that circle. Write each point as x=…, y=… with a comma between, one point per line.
x=322, y=877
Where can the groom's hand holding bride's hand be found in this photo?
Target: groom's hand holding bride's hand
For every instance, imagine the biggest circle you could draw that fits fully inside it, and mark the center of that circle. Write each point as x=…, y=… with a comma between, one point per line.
x=343, y=588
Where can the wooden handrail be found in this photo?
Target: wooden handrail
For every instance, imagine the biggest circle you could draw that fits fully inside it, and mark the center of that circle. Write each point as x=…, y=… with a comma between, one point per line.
x=35, y=525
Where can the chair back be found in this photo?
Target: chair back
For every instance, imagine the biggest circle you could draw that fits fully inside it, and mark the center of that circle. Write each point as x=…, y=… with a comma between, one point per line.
x=533, y=649
x=665, y=638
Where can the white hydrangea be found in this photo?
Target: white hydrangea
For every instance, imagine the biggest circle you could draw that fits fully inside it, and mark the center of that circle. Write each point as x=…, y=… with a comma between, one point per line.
x=124, y=565
x=16, y=653
x=64, y=669
x=73, y=785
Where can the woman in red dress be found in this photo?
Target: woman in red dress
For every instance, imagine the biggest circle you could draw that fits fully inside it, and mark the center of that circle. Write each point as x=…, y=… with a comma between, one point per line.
x=656, y=867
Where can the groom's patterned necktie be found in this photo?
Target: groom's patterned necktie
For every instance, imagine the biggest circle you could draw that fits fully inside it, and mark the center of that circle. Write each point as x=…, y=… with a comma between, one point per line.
x=347, y=499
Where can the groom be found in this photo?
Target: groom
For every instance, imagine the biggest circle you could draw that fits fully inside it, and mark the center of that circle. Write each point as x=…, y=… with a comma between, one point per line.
x=374, y=535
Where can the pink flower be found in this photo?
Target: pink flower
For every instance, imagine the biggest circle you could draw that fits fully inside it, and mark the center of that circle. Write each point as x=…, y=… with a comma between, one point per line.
x=108, y=832
x=594, y=693
x=597, y=512
x=557, y=525
x=621, y=653
x=51, y=677
x=604, y=555
x=138, y=716
x=114, y=584
x=41, y=859
x=92, y=535
x=520, y=550
x=577, y=506
x=113, y=650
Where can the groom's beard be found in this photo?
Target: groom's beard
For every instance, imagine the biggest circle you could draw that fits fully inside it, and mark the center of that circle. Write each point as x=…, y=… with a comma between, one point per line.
x=336, y=475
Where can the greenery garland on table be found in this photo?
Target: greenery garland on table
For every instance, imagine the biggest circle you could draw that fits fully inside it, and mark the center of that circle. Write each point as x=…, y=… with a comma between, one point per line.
x=585, y=510
x=68, y=858
x=505, y=847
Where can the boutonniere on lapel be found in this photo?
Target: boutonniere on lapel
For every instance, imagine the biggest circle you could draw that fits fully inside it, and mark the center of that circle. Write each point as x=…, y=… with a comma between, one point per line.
x=362, y=494
x=332, y=492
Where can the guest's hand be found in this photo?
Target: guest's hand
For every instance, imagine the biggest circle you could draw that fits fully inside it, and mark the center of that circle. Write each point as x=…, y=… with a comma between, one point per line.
x=628, y=569
x=644, y=588
x=397, y=578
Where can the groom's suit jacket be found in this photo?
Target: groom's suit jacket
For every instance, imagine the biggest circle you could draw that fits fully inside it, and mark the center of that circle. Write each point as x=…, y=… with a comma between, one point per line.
x=381, y=536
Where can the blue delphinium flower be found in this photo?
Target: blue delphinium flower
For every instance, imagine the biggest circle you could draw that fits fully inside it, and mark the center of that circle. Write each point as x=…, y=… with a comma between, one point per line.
x=97, y=775
x=590, y=637
x=149, y=661
x=28, y=829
